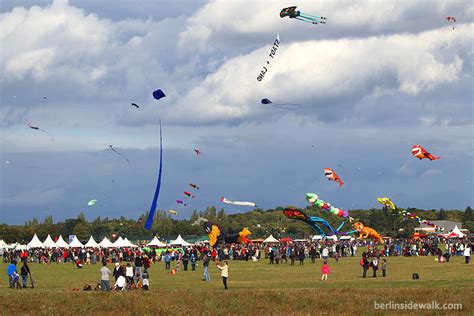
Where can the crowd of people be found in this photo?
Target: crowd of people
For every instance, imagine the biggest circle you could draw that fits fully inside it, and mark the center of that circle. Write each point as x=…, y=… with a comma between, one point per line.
x=132, y=264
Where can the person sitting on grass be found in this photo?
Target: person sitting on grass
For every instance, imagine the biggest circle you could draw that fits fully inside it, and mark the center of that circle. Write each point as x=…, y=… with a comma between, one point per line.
x=120, y=284
x=146, y=282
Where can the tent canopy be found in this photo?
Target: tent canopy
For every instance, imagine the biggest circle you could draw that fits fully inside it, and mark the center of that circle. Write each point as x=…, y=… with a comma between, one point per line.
x=156, y=242
x=180, y=241
x=456, y=233
x=49, y=243
x=270, y=239
x=91, y=243
x=61, y=243
x=35, y=243
x=75, y=243
x=106, y=243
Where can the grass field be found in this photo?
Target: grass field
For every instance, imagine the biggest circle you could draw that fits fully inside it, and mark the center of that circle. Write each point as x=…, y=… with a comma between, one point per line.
x=254, y=287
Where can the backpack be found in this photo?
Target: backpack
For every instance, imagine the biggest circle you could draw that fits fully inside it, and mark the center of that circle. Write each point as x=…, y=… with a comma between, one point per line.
x=361, y=262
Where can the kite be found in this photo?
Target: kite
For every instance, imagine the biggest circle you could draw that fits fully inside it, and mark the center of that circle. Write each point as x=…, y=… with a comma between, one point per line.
x=286, y=106
x=92, y=202
x=151, y=214
x=241, y=203
x=198, y=152
x=293, y=14
x=158, y=94
x=451, y=19
x=192, y=185
x=314, y=200
x=314, y=222
x=387, y=202
x=272, y=54
x=188, y=194
x=181, y=202
x=115, y=151
x=216, y=235
x=173, y=212
x=331, y=175
x=36, y=128
x=135, y=105
x=420, y=153
x=367, y=232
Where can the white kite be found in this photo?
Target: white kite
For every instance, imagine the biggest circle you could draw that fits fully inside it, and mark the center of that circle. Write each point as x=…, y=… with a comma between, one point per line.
x=241, y=203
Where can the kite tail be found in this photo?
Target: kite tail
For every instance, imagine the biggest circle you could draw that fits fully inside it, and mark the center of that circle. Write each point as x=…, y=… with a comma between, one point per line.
x=340, y=182
x=340, y=226
x=151, y=214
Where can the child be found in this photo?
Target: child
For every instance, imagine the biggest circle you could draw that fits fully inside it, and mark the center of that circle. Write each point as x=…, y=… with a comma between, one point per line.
x=375, y=266
x=146, y=282
x=325, y=272
x=384, y=267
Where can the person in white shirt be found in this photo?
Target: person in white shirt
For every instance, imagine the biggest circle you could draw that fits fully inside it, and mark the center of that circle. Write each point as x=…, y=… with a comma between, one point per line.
x=224, y=272
x=120, y=283
x=467, y=254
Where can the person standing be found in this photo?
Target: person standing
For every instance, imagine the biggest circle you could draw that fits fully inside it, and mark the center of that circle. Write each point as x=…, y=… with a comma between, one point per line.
x=137, y=275
x=167, y=259
x=185, y=260
x=25, y=272
x=11, y=272
x=325, y=271
x=375, y=266
x=224, y=272
x=205, y=264
x=384, y=268
x=467, y=254
x=105, y=277
x=365, y=264
x=192, y=259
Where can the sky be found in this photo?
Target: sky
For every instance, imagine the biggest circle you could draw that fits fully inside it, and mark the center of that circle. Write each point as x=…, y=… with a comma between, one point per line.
x=377, y=78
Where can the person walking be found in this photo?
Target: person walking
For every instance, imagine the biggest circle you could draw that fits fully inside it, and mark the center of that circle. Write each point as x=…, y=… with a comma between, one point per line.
x=224, y=272
x=105, y=277
x=325, y=271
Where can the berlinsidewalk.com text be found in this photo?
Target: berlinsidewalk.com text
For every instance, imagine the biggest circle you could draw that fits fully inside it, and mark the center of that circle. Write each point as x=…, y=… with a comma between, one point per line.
x=417, y=306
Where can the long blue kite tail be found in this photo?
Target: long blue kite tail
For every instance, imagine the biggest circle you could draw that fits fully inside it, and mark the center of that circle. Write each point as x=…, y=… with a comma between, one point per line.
x=340, y=226
x=151, y=214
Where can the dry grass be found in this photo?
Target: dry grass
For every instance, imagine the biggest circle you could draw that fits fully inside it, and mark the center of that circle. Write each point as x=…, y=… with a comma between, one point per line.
x=255, y=287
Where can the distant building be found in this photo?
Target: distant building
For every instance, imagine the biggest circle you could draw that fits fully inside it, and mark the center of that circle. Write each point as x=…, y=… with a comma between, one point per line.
x=447, y=225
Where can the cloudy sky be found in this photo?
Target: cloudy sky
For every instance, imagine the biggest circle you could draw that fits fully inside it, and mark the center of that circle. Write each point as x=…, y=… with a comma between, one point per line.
x=379, y=77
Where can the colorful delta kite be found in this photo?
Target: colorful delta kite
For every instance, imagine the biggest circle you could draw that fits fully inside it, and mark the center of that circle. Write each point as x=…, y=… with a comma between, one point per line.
x=388, y=203
x=331, y=175
x=158, y=94
x=240, y=203
x=198, y=152
x=421, y=153
x=194, y=186
x=216, y=235
x=286, y=106
x=151, y=214
x=313, y=199
x=118, y=153
x=314, y=222
x=92, y=202
x=36, y=128
x=451, y=19
x=367, y=232
x=292, y=13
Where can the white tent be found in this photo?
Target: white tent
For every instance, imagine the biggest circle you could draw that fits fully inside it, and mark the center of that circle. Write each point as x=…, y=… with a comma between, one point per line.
x=61, y=243
x=180, y=241
x=3, y=245
x=156, y=242
x=75, y=243
x=106, y=243
x=119, y=242
x=456, y=232
x=35, y=243
x=91, y=243
x=49, y=243
x=127, y=243
x=270, y=239
x=317, y=237
x=21, y=247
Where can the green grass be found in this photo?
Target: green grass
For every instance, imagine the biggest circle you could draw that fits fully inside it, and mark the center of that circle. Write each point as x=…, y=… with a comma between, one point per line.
x=254, y=287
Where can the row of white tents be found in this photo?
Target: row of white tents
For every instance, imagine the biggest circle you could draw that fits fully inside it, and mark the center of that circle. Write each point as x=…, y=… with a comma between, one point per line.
x=91, y=243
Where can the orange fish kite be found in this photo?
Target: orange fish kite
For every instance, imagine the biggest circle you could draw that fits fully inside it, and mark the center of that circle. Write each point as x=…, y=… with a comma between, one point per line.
x=331, y=175
x=420, y=153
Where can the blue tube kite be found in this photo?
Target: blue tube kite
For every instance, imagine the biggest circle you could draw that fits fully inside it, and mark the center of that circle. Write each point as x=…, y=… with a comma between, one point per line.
x=151, y=214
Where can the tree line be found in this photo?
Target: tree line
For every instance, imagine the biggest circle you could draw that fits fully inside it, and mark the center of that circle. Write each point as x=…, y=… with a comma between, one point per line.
x=260, y=222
